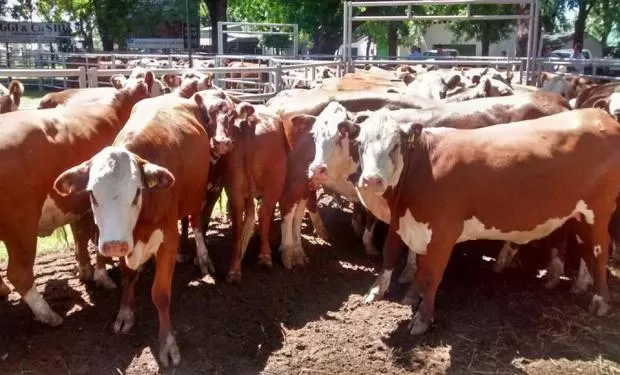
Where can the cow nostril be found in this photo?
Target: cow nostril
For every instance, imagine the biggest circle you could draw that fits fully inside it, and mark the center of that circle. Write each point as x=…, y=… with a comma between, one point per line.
x=372, y=181
x=115, y=248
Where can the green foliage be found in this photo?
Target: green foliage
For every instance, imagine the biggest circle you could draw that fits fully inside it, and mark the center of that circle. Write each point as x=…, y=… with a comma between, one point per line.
x=277, y=41
x=485, y=31
x=603, y=19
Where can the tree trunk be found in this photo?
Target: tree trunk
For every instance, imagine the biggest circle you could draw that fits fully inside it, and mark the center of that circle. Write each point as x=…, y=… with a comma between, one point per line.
x=484, y=40
x=392, y=39
x=580, y=21
x=368, y=46
x=217, y=12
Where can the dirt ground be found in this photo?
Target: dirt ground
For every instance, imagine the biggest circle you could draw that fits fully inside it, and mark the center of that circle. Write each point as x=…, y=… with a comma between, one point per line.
x=312, y=320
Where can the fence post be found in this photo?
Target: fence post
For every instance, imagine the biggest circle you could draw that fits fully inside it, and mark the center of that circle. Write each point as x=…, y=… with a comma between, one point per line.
x=93, y=77
x=82, y=78
x=113, y=61
x=278, y=77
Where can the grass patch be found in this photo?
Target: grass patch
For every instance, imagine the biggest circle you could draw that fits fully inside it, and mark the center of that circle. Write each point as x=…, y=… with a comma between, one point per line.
x=56, y=241
x=31, y=98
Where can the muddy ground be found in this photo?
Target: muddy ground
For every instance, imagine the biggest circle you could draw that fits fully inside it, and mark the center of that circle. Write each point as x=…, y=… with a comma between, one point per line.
x=312, y=320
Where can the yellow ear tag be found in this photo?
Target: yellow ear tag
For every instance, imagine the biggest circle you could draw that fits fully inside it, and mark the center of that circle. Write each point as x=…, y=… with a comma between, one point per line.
x=244, y=115
x=151, y=182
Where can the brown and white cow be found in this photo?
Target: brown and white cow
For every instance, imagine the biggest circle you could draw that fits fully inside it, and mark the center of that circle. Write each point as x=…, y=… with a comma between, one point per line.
x=37, y=146
x=11, y=96
x=336, y=159
x=154, y=174
x=174, y=80
x=433, y=84
x=156, y=87
x=600, y=96
x=568, y=85
x=443, y=186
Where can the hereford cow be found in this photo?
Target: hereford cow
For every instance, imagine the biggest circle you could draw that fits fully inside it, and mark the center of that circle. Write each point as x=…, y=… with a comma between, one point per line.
x=11, y=96
x=36, y=147
x=569, y=86
x=336, y=158
x=174, y=80
x=154, y=174
x=156, y=87
x=443, y=186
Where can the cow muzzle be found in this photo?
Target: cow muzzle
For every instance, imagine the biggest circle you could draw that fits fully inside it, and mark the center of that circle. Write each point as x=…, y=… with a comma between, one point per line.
x=372, y=183
x=116, y=249
x=222, y=145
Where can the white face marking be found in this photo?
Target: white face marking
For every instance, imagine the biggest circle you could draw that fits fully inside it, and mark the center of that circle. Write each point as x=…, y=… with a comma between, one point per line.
x=430, y=85
x=143, y=251
x=614, y=103
x=572, y=102
x=115, y=185
x=474, y=229
x=381, y=158
x=52, y=217
x=415, y=235
x=331, y=148
x=597, y=250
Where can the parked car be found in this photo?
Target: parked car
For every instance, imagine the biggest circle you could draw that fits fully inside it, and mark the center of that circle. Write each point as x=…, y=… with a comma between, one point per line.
x=567, y=53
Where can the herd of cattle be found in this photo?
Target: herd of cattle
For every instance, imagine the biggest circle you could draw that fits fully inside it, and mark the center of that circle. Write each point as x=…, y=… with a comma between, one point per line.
x=441, y=156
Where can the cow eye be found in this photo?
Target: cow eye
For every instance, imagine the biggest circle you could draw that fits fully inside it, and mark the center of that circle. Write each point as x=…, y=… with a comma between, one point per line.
x=135, y=199
x=92, y=198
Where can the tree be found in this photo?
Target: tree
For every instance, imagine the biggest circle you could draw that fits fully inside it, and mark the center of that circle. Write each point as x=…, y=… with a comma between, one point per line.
x=486, y=32
x=80, y=13
x=217, y=12
x=603, y=18
x=552, y=14
x=583, y=9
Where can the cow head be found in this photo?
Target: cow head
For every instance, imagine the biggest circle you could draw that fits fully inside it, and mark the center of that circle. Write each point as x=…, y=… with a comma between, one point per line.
x=569, y=86
x=333, y=130
x=380, y=140
x=614, y=104
x=116, y=180
x=433, y=85
x=155, y=86
x=205, y=81
x=16, y=90
x=221, y=117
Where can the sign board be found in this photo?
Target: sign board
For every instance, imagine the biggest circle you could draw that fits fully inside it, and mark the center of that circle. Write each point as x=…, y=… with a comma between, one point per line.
x=155, y=43
x=32, y=32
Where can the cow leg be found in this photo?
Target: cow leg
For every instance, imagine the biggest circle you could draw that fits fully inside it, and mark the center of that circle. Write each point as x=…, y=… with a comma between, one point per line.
x=4, y=289
x=265, y=220
x=357, y=222
x=126, y=316
x=161, y=295
x=236, y=213
x=506, y=254
x=408, y=274
x=595, y=253
x=414, y=295
x=584, y=279
x=20, y=273
x=315, y=217
x=555, y=269
x=183, y=254
x=614, y=232
x=299, y=257
x=202, y=254
x=81, y=236
x=287, y=242
x=248, y=224
x=429, y=276
x=367, y=237
x=390, y=255
x=100, y=276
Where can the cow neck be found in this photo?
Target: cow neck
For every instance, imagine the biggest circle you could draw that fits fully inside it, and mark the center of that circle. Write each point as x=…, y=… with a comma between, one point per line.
x=122, y=104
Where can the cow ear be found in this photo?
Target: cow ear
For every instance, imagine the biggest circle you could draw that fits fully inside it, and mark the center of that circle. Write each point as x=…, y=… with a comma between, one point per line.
x=208, y=81
x=118, y=81
x=149, y=79
x=156, y=177
x=349, y=128
x=73, y=180
x=171, y=80
x=302, y=123
x=408, y=78
x=245, y=110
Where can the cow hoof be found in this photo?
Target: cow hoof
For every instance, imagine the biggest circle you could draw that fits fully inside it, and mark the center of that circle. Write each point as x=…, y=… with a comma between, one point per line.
x=4, y=290
x=85, y=272
x=233, y=277
x=124, y=320
x=598, y=306
x=103, y=280
x=169, y=352
x=265, y=261
x=50, y=318
x=417, y=326
x=294, y=257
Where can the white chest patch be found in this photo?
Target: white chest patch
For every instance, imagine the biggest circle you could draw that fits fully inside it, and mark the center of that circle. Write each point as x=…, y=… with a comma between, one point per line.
x=52, y=217
x=414, y=234
x=143, y=251
x=375, y=204
x=474, y=229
